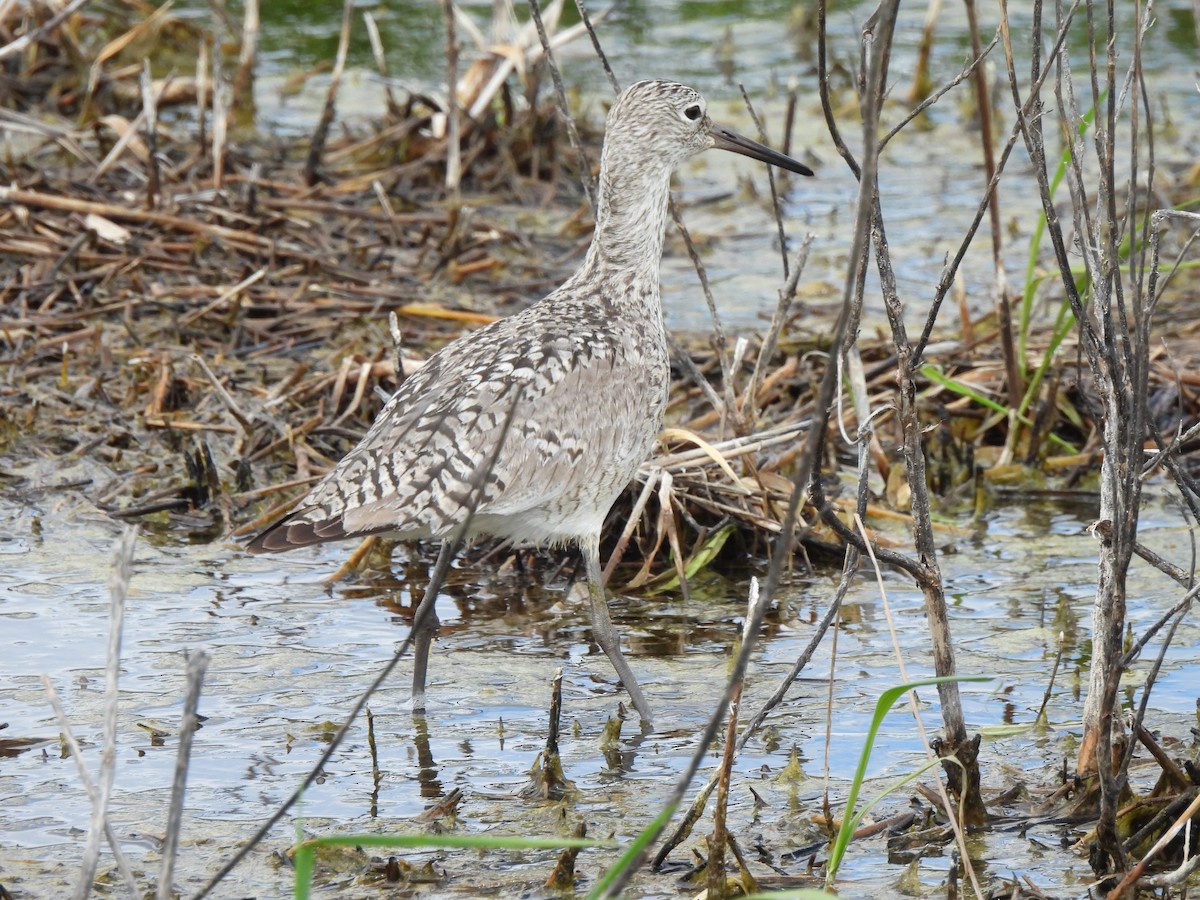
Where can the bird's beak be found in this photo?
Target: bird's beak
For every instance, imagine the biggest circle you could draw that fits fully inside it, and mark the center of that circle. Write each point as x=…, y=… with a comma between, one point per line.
x=728, y=139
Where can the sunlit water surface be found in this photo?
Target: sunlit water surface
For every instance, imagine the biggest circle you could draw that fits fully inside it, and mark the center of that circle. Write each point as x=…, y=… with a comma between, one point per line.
x=290, y=654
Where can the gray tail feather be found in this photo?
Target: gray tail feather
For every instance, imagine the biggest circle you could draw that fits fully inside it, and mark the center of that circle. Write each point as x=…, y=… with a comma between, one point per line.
x=287, y=533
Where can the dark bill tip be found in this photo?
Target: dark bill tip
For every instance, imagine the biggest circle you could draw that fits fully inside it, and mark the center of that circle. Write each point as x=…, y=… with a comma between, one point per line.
x=728, y=139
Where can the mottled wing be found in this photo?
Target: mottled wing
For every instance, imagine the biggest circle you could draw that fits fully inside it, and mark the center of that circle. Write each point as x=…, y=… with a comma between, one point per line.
x=426, y=458
x=402, y=475
x=569, y=454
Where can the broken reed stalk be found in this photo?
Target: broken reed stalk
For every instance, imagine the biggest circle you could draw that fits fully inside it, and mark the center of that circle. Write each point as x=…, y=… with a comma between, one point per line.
x=197, y=665
x=89, y=786
x=555, y=715
x=150, y=114
x=118, y=585
x=202, y=87
x=547, y=780
x=376, y=774
x=926, y=571
x=243, y=80
x=564, y=109
x=1013, y=367
x=666, y=503
x=849, y=575
x=423, y=616
x=719, y=840
x=381, y=64
x=220, y=113
x=453, y=116
x=316, y=150
x=921, y=81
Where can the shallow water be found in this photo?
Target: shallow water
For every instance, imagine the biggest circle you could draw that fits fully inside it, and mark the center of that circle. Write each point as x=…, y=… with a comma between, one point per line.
x=931, y=175
x=290, y=654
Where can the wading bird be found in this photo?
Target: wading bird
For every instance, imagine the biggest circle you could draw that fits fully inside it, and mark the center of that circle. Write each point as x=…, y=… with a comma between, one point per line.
x=576, y=385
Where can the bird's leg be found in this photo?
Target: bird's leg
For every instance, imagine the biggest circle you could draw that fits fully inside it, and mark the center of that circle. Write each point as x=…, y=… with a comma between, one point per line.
x=604, y=632
x=424, y=627
x=422, y=640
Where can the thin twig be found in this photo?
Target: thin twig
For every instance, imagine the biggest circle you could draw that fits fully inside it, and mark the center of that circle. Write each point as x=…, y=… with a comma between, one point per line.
x=770, y=340
x=720, y=339
x=937, y=95
x=587, y=23
x=450, y=548
x=118, y=586
x=585, y=169
x=776, y=206
x=197, y=665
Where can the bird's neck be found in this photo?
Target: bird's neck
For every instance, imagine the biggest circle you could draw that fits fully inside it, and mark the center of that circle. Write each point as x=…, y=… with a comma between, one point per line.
x=631, y=213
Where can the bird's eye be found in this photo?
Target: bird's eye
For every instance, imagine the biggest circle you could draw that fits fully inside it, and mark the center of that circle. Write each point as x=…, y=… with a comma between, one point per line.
x=693, y=112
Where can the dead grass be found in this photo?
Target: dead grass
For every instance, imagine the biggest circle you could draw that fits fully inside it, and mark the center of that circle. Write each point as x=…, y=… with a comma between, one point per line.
x=218, y=347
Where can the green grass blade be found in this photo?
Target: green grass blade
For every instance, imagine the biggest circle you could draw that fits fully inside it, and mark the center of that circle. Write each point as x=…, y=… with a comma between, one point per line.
x=305, y=863
x=305, y=856
x=886, y=701
x=696, y=562
x=452, y=841
x=1062, y=327
x=934, y=374
x=640, y=842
